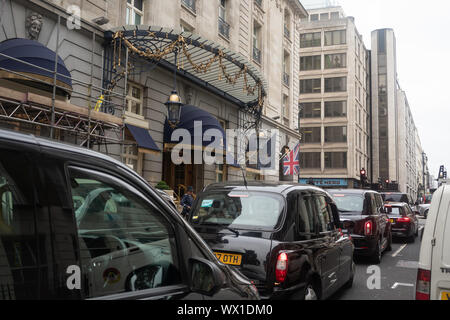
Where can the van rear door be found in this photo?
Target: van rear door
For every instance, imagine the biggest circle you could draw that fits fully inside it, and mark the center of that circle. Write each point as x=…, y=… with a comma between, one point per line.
x=440, y=267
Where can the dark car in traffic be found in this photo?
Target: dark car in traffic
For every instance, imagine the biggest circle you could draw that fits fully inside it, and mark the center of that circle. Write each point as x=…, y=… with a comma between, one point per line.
x=76, y=224
x=284, y=237
x=363, y=216
x=404, y=221
x=397, y=197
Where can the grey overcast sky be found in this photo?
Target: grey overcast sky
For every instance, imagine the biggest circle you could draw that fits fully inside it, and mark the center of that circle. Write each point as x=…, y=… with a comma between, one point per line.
x=423, y=62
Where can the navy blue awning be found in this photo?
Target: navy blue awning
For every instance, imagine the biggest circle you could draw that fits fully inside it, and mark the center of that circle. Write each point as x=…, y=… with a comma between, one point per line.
x=143, y=138
x=189, y=115
x=35, y=53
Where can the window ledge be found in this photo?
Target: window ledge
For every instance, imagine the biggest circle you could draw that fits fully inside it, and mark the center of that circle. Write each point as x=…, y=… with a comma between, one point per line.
x=223, y=37
x=188, y=9
x=136, y=120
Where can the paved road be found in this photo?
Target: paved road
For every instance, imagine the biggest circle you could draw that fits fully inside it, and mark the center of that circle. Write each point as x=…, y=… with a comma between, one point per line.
x=398, y=274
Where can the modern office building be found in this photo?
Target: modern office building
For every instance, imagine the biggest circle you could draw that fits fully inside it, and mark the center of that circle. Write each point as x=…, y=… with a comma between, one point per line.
x=398, y=156
x=334, y=95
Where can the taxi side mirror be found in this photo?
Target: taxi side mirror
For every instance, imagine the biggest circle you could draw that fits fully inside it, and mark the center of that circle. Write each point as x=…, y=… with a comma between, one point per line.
x=206, y=277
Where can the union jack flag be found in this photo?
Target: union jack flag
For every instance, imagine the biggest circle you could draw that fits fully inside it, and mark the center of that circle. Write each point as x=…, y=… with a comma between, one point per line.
x=291, y=162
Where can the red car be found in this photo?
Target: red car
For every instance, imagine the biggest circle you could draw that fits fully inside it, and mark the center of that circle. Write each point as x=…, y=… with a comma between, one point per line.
x=404, y=221
x=363, y=217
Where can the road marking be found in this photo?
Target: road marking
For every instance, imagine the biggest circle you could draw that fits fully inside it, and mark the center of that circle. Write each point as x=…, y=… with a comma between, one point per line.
x=399, y=250
x=407, y=264
x=397, y=284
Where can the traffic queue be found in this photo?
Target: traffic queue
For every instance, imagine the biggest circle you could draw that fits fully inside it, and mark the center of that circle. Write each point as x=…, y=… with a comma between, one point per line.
x=114, y=237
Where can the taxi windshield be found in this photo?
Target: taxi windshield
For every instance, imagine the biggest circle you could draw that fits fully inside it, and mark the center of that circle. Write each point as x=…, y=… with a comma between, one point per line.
x=245, y=210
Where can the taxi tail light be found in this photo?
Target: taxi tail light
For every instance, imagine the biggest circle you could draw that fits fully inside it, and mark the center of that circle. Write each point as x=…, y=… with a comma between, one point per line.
x=423, y=284
x=281, y=268
x=368, y=226
x=403, y=219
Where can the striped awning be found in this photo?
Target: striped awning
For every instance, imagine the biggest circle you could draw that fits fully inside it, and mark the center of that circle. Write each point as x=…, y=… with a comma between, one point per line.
x=214, y=66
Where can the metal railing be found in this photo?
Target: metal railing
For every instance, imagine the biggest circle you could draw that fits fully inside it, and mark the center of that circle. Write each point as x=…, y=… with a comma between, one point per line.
x=224, y=28
x=189, y=4
x=286, y=79
x=257, y=55
x=287, y=33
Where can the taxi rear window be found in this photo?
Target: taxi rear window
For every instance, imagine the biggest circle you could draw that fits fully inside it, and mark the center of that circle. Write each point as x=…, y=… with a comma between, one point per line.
x=247, y=210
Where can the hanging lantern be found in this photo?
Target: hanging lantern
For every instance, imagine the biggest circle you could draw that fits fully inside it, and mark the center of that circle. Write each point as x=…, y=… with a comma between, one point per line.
x=174, y=106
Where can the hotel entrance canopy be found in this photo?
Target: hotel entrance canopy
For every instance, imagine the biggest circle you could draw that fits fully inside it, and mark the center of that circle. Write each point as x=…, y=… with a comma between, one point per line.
x=204, y=62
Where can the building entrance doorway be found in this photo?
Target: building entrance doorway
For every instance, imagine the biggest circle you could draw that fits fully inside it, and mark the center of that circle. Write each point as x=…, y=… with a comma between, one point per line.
x=179, y=177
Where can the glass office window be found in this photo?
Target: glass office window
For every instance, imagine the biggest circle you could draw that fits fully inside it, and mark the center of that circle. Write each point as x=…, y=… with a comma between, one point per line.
x=310, y=86
x=335, y=134
x=311, y=135
x=311, y=110
x=335, y=160
x=335, y=109
x=336, y=84
x=310, y=63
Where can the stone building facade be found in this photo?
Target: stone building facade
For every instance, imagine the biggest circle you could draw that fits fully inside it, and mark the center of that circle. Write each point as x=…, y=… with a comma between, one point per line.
x=334, y=93
x=265, y=32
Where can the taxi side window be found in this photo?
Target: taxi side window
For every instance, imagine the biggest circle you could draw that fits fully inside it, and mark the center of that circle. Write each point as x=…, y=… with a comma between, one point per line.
x=379, y=202
x=318, y=207
x=373, y=205
x=305, y=218
x=325, y=222
x=126, y=244
x=22, y=253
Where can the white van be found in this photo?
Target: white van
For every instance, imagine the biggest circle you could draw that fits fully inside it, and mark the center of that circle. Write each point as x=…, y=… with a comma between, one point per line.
x=433, y=277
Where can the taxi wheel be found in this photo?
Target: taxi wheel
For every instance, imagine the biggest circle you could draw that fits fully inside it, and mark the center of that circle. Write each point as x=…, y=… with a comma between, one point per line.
x=376, y=258
x=349, y=283
x=310, y=292
x=389, y=246
x=412, y=238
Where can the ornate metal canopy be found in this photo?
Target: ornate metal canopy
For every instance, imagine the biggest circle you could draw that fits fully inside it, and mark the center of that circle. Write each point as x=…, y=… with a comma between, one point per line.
x=206, y=63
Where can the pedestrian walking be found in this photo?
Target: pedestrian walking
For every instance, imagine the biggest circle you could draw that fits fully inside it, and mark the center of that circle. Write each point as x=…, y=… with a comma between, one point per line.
x=186, y=201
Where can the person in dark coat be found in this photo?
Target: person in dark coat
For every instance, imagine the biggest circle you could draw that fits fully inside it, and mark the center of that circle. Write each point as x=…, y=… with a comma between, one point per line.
x=186, y=202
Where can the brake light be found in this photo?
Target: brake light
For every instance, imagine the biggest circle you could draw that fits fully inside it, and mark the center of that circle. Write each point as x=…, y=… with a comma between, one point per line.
x=403, y=219
x=368, y=228
x=281, y=268
x=423, y=284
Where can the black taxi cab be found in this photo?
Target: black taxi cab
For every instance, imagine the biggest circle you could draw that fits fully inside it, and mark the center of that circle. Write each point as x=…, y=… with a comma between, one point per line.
x=76, y=224
x=284, y=237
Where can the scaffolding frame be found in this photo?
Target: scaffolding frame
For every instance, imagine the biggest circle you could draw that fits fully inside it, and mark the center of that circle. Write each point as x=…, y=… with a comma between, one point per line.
x=89, y=127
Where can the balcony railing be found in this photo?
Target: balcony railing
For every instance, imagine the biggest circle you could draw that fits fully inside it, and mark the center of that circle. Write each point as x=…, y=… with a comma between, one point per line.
x=286, y=79
x=224, y=28
x=257, y=55
x=258, y=3
x=287, y=33
x=189, y=4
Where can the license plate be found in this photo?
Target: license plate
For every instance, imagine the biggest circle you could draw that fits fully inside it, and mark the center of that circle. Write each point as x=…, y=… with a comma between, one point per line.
x=229, y=258
x=392, y=221
x=445, y=295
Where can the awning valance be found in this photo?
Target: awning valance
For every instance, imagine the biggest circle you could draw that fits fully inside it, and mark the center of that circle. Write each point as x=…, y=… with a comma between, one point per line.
x=143, y=139
x=24, y=59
